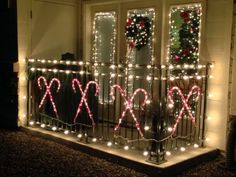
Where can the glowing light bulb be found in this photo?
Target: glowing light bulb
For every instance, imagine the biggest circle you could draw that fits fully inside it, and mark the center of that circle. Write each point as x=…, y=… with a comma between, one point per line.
x=130, y=65
x=148, y=101
x=81, y=72
x=126, y=147
x=172, y=78
x=199, y=66
x=168, y=153
x=31, y=122
x=145, y=153
x=199, y=77
x=131, y=77
x=54, y=128
x=109, y=143
x=185, y=77
x=169, y=129
x=163, y=66
x=182, y=149
x=66, y=132
x=170, y=105
x=42, y=125
x=196, y=146
x=146, y=128
x=112, y=66
x=79, y=135
x=149, y=78
x=94, y=140
x=186, y=66
x=171, y=67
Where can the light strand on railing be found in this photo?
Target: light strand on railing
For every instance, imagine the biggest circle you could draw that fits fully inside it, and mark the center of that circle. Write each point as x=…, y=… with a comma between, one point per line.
x=113, y=65
x=126, y=147
x=112, y=75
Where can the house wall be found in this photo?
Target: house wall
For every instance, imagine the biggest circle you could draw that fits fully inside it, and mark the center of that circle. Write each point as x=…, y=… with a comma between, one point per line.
x=232, y=82
x=217, y=49
x=58, y=37
x=53, y=33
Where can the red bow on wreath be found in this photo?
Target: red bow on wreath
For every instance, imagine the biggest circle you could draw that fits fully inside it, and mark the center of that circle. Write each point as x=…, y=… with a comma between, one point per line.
x=185, y=16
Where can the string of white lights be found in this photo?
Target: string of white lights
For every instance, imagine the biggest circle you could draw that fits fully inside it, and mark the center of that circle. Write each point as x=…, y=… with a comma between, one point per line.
x=114, y=65
x=112, y=75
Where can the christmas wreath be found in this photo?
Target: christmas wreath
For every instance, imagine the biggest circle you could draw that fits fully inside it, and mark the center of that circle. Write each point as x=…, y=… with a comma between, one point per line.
x=137, y=31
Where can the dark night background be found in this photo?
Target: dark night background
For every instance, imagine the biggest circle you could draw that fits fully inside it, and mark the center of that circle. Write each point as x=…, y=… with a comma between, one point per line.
x=8, y=55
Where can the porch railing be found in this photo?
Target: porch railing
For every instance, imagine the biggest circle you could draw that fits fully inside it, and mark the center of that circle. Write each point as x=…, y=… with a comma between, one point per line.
x=153, y=108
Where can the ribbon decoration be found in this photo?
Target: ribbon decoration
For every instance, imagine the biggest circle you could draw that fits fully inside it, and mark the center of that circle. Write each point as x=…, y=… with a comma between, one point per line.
x=48, y=92
x=128, y=104
x=185, y=103
x=84, y=99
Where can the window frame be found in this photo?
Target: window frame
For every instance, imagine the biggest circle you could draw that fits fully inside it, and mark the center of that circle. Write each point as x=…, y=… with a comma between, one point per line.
x=121, y=8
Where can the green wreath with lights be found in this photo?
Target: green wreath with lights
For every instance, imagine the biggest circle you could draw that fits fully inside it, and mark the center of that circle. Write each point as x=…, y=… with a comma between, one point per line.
x=137, y=31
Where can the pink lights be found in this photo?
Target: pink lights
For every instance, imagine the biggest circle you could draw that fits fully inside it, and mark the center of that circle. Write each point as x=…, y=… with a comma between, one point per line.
x=185, y=102
x=128, y=105
x=84, y=98
x=48, y=92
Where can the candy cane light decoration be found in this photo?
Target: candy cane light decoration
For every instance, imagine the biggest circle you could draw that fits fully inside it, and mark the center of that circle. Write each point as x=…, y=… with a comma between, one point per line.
x=48, y=92
x=185, y=102
x=84, y=97
x=128, y=105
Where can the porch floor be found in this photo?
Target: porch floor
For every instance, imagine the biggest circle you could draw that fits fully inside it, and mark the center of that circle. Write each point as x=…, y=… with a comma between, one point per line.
x=175, y=163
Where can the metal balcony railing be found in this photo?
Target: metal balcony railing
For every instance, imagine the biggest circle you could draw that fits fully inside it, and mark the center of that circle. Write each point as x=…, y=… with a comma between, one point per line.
x=154, y=108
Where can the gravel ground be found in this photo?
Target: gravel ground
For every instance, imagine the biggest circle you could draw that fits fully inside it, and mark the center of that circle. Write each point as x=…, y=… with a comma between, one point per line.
x=23, y=154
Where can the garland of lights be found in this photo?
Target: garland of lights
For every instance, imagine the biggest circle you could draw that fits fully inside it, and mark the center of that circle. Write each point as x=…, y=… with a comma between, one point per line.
x=137, y=31
x=128, y=104
x=48, y=92
x=84, y=99
x=98, y=41
x=185, y=34
x=185, y=103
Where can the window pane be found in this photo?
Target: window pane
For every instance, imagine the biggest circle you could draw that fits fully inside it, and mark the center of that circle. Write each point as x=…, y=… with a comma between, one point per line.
x=139, y=32
x=104, y=31
x=185, y=34
x=135, y=54
x=104, y=37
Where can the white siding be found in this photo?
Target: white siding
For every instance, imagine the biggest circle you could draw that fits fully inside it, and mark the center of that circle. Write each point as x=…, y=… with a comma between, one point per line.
x=217, y=49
